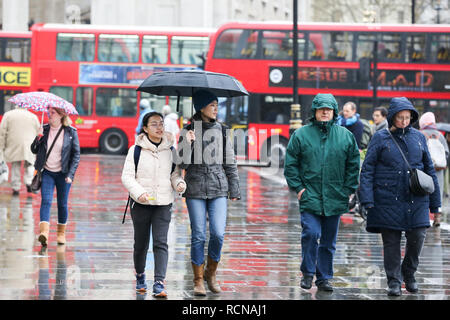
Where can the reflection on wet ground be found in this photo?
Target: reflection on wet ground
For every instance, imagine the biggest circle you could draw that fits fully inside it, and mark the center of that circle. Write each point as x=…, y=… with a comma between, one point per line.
x=260, y=259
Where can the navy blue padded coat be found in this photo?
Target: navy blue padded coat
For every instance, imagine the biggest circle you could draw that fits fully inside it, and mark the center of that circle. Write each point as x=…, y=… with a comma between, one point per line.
x=384, y=180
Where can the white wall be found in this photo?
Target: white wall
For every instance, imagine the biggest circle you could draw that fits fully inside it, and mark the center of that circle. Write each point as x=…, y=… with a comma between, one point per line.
x=15, y=15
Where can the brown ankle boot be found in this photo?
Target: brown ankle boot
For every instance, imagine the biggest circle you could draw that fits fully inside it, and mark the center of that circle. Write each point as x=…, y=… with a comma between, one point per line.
x=210, y=275
x=44, y=228
x=61, y=234
x=199, y=287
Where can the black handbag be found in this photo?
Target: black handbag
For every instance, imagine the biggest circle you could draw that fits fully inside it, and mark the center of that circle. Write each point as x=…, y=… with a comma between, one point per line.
x=37, y=178
x=420, y=183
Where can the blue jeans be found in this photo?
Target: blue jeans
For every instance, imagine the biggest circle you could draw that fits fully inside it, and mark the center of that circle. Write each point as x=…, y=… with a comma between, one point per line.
x=49, y=181
x=217, y=214
x=317, y=257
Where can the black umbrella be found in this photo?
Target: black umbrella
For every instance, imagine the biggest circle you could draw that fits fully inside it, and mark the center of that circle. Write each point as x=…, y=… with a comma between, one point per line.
x=186, y=82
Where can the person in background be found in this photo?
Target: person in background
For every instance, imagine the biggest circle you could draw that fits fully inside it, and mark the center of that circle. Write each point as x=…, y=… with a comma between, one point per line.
x=350, y=120
x=58, y=169
x=379, y=116
x=385, y=193
x=144, y=108
x=427, y=125
x=170, y=123
x=322, y=167
x=151, y=187
x=18, y=129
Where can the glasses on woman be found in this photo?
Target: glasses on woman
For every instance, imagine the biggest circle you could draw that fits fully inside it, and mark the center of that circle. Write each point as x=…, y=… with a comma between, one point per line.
x=156, y=124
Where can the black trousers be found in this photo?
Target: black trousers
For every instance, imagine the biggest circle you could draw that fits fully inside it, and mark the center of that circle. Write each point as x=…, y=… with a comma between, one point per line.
x=396, y=270
x=156, y=219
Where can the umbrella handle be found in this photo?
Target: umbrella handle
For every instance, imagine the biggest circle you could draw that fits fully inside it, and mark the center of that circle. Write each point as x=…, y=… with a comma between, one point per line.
x=178, y=103
x=42, y=119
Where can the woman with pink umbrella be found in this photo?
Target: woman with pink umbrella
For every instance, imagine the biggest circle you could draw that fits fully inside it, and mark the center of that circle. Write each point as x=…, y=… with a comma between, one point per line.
x=58, y=154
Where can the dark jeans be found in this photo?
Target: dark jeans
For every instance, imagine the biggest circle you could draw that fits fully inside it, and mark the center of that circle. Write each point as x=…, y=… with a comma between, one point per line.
x=158, y=219
x=50, y=180
x=396, y=270
x=317, y=258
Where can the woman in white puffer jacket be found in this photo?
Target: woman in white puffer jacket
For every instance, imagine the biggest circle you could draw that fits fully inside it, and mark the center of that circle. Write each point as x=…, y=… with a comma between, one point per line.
x=151, y=189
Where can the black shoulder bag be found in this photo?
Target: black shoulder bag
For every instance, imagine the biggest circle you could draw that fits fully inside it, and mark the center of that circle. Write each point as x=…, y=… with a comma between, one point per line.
x=37, y=179
x=420, y=183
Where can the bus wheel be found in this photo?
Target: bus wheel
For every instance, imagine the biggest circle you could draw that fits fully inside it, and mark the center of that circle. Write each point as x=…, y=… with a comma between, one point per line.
x=113, y=141
x=276, y=152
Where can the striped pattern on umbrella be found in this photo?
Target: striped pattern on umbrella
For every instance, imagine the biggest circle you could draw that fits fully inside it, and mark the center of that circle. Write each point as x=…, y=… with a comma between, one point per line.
x=41, y=101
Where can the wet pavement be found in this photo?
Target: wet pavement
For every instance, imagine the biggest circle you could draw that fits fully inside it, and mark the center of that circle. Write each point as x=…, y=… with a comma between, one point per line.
x=260, y=257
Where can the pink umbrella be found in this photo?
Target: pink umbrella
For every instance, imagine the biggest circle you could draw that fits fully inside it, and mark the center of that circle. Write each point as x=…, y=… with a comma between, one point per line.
x=41, y=101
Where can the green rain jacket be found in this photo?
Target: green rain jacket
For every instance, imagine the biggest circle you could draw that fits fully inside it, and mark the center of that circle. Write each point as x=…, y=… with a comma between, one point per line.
x=323, y=158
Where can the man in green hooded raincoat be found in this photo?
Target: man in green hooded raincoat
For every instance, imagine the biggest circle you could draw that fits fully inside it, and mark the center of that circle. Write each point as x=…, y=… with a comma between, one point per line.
x=322, y=167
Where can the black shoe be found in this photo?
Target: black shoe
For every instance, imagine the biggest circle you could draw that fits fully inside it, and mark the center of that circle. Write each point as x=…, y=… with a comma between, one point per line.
x=395, y=290
x=306, y=282
x=15, y=192
x=411, y=286
x=325, y=286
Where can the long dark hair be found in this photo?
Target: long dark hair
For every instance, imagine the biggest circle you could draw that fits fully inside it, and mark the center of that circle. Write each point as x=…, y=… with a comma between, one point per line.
x=148, y=116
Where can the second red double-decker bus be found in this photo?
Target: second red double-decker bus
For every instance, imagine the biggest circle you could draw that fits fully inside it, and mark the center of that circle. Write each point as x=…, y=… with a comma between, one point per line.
x=412, y=61
x=98, y=69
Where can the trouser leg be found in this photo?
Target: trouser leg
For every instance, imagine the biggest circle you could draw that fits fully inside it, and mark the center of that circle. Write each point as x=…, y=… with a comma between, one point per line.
x=161, y=216
x=327, y=247
x=141, y=223
x=392, y=255
x=15, y=175
x=217, y=213
x=414, y=244
x=28, y=173
x=311, y=232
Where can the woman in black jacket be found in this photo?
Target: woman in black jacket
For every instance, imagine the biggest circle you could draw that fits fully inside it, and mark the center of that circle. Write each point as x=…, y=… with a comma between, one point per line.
x=58, y=169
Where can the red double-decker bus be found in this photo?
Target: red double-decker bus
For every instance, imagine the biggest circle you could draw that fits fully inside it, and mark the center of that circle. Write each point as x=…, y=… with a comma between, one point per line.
x=98, y=69
x=15, y=67
x=411, y=61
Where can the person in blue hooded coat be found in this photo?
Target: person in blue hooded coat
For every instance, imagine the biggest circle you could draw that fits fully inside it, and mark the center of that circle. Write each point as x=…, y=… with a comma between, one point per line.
x=384, y=191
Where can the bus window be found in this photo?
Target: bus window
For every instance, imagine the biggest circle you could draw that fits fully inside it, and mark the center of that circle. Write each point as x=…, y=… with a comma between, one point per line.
x=15, y=50
x=156, y=102
x=63, y=92
x=5, y=105
x=440, y=48
x=186, y=109
x=233, y=111
x=75, y=47
x=154, y=49
x=84, y=101
x=278, y=45
x=390, y=47
x=416, y=48
x=364, y=45
x=188, y=50
x=236, y=44
x=336, y=46
x=275, y=109
x=116, y=102
x=118, y=48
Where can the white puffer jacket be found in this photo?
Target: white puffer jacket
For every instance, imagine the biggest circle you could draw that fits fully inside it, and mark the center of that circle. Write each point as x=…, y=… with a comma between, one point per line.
x=153, y=172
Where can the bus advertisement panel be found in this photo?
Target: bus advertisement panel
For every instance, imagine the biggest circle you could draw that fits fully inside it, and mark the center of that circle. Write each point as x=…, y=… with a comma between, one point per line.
x=411, y=61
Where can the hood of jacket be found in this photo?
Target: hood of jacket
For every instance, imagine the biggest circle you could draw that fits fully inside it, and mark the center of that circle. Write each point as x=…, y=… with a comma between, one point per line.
x=166, y=142
x=399, y=104
x=324, y=100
